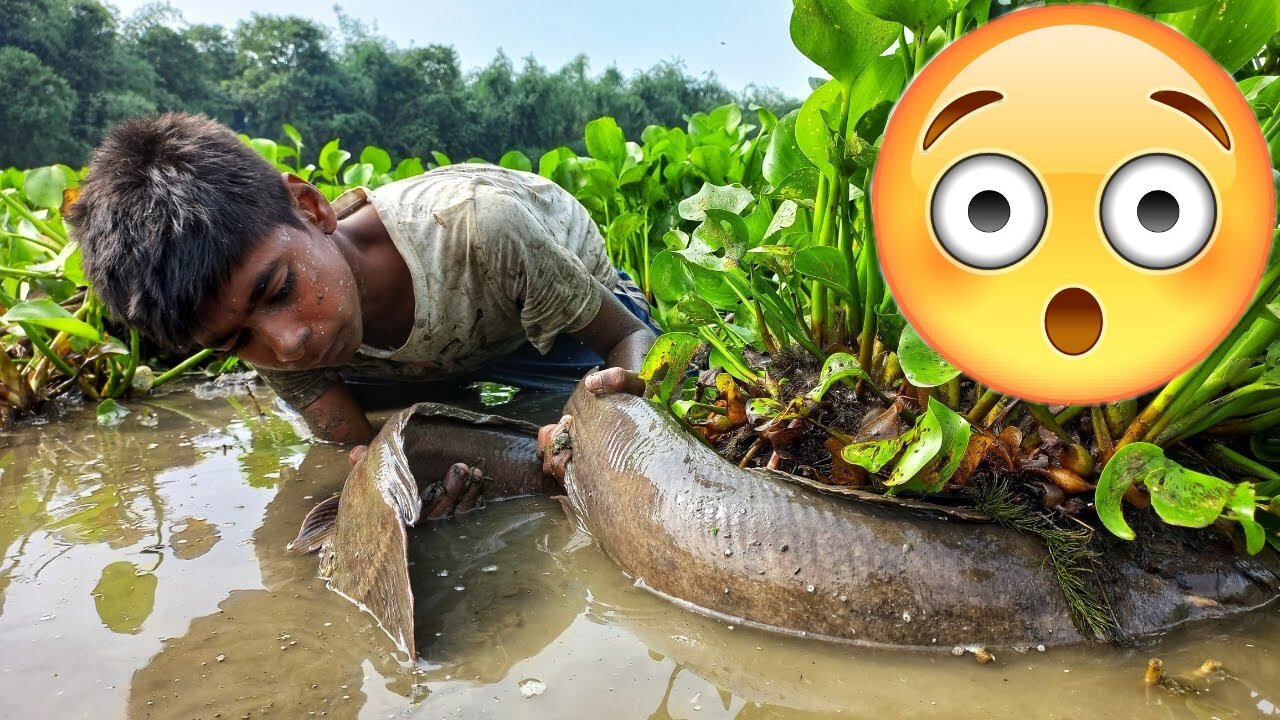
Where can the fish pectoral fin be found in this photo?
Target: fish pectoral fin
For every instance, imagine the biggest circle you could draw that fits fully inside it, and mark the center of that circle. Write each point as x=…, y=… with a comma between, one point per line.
x=567, y=507
x=317, y=527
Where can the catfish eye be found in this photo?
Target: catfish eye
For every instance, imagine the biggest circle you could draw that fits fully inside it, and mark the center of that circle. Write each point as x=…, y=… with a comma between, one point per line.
x=1158, y=211
x=988, y=211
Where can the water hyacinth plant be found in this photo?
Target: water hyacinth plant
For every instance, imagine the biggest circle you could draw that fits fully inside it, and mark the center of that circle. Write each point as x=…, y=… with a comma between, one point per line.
x=54, y=332
x=773, y=291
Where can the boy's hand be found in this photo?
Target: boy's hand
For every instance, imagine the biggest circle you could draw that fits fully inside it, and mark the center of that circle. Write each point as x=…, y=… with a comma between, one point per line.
x=614, y=380
x=356, y=453
x=554, y=448
x=458, y=492
x=553, y=440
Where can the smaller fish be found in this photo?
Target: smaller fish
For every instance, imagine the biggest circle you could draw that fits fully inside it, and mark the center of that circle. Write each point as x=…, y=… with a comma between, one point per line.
x=419, y=464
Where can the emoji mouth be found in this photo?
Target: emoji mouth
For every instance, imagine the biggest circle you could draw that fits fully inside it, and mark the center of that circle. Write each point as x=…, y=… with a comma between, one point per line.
x=1073, y=321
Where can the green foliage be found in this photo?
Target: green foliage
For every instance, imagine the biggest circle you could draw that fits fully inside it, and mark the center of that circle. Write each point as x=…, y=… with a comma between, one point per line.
x=44, y=186
x=36, y=115
x=47, y=314
x=837, y=37
x=1180, y=496
x=750, y=232
x=111, y=413
x=921, y=364
x=665, y=365
x=923, y=458
x=1231, y=31
x=838, y=367
x=826, y=265
x=919, y=15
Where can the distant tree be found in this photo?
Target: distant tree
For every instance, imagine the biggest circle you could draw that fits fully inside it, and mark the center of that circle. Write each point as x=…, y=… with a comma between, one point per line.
x=188, y=72
x=286, y=72
x=669, y=94
x=35, y=131
x=110, y=82
x=769, y=97
x=73, y=69
x=33, y=25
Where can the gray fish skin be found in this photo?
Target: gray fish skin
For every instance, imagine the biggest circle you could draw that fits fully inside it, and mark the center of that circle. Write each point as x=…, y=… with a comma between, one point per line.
x=749, y=547
x=692, y=527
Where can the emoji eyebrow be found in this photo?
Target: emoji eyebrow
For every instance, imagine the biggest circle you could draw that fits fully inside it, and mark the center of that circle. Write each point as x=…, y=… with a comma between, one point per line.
x=957, y=109
x=1197, y=111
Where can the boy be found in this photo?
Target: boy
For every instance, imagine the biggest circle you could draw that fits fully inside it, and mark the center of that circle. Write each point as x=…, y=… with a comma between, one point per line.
x=193, y=238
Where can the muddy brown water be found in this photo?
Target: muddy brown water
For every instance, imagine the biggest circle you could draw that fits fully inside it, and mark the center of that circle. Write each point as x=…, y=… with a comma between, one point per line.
x=144, y=575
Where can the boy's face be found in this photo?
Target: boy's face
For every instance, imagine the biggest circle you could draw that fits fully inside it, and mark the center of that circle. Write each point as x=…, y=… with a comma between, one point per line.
x=290, y=304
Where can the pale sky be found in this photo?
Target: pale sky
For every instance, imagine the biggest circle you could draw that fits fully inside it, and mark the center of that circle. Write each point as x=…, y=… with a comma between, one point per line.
x=741, y=42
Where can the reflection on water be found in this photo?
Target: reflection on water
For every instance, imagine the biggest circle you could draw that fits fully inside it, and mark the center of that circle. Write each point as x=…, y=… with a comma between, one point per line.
x=143, y=574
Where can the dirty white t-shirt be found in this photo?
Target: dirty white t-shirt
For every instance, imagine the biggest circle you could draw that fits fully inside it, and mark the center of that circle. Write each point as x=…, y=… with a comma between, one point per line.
x=498, y=257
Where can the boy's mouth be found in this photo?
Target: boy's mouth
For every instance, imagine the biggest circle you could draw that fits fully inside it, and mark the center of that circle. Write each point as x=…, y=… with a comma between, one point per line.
x=334, y=354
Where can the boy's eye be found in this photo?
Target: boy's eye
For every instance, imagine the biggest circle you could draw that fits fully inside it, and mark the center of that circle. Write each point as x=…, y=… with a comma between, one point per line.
x=286, y=289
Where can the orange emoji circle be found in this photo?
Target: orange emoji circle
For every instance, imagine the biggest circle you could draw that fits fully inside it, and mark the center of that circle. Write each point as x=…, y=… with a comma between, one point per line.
x=1073, y=204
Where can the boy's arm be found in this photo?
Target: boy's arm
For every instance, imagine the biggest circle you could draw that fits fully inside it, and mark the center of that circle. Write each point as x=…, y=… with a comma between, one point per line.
x=337, y=417
x=323, y=400
x=622, y=340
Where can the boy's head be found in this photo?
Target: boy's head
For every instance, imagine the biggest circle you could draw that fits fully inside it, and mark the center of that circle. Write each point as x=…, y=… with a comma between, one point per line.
x=193, y=238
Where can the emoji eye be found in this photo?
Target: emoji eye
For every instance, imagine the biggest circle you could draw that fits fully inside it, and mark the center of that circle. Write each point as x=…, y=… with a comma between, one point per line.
x=988, y=211
x=1158, y=211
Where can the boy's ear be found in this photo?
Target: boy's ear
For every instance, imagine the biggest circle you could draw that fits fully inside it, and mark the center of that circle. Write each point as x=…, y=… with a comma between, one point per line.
x=310, y=202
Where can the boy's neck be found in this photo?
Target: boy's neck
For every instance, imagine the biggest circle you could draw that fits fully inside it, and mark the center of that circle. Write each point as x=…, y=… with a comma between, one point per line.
x=383, y=281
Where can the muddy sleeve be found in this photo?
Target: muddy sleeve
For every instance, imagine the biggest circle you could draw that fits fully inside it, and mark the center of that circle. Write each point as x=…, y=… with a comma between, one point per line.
x=523, y=261
x=299, y=388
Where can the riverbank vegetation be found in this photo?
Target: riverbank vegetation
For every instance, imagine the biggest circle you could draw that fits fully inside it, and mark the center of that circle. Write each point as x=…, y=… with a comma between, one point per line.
x=773, y=289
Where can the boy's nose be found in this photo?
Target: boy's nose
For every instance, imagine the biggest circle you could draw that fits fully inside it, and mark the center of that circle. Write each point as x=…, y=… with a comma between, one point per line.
x=288, y=340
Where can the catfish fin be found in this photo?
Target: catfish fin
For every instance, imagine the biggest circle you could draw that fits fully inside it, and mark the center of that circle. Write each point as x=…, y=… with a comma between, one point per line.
x=317, y=527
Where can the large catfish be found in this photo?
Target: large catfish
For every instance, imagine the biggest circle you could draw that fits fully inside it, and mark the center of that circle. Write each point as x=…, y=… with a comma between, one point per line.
x=759, y=548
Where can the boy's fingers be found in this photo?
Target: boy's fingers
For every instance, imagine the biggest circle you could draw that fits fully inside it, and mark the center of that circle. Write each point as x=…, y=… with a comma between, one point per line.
x=557, y=464
x=471, y=499
x=457, y=480
x=614, y=380
x=545, y=435
x=554, y=448
x=356, y=454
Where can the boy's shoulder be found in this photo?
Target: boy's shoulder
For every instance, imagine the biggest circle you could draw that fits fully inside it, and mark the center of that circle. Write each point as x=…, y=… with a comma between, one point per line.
x=456, y=184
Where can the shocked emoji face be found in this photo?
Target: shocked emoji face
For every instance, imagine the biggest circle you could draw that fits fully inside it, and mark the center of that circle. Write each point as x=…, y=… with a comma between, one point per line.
x=1073, y=204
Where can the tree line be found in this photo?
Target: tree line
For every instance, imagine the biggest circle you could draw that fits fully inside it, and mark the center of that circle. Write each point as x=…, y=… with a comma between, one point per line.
x=73, y=68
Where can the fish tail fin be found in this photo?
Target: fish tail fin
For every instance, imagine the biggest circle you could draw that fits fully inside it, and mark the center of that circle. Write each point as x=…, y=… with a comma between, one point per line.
x=317, y=527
